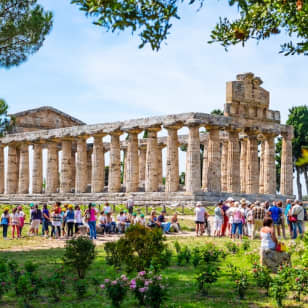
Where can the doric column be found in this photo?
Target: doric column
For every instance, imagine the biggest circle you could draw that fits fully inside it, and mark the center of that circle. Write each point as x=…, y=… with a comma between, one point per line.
x=233, y=169
x=124, y=165
x=243, y=169
x=52, y=168
x=23, y=181
x=12, y=176
x=73, y=164
x=252, y=167
x=98, y=165
x=151, y=180
x=132, y=167
x=37, y=169
x=261, y=178
x=89, y=165
x=214, y=161
x=160, y=163
x=1, y=169
x=205, y=165
x=286, y=173
x=172, y=168
x=224, y=166
x=114, y=178
x=66, y=168
x=142, y=160
x=193, y=176
x=81, y=165
x=269, y=165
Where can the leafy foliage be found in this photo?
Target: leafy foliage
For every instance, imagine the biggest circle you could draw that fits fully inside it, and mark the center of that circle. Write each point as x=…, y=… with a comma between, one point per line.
x=207, y=274
x=79, y=255
x=137, y=248
x=23, y=28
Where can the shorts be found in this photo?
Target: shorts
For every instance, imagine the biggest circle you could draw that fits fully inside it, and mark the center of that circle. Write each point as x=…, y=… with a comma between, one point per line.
x=236, y=226
x=130, y=210
x=35, y=223
x=218, y=224
x=199, y=222
x=46, y=224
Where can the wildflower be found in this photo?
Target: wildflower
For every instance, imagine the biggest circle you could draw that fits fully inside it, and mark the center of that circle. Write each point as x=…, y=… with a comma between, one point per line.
x=141, y=273
x=297, y=279
x=107, y=280
x=114, y=282
x=133, y=281
x=102, y=286
x=141, y=290
x=132, y=286
x=3, y=283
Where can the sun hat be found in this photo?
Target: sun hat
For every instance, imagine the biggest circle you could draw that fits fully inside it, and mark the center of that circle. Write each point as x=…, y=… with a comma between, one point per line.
x=134, y=214
x=70, y=206
x=243, y=200
x=141, y=215
x=6, y=209
x=230, y=199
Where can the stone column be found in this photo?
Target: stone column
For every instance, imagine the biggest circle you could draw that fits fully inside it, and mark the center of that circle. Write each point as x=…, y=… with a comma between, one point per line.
x=142, y=160
x=98, y=165
x=66, y=168
x=160, y=163
x=23, y=182
x=224, y=166
x=11, y=177
x=89, y=166
x=286, y=173
x=81, y=166
x=151, y=171
x=172, y=170
x=252, y=167
x=233, y=169
x=132, y=164
x=114, y=179
x=73, y=164
x=214, y=161
x=193, y=176
x=269, y=165
x=124, y=165
x=1, y=169
x=205, y=166
x=261, y=179
x=243, y=169
x=37, y=169
x=52, y=168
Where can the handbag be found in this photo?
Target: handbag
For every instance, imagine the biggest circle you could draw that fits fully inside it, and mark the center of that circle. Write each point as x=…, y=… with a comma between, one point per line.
x=293, y=218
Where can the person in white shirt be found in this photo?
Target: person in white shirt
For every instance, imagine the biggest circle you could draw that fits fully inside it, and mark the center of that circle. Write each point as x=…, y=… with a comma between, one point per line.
x=121, y=222
x=107, y=208
x=142, y=220
x=78, y=219
x=199, y=218
x=102, y=220
x=298, y=213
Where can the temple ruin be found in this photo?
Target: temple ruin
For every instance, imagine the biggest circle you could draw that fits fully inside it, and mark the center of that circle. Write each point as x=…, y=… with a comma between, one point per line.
x=238, y=155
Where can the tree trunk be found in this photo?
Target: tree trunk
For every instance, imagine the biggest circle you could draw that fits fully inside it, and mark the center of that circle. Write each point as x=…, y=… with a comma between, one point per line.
x=306, y=178
x=299, y=185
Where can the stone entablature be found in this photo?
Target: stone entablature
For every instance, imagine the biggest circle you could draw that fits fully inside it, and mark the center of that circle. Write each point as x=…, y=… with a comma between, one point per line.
x=230, y=163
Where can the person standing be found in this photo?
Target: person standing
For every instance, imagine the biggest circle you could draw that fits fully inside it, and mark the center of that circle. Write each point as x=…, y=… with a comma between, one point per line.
x=199, y=218
x=237, y=226
x=22, y=218
x=287, y=216
x=78, y=218
x=250, y=221
x=258, y=213
x=219, y=218
x=91, y=217
x=224, y=227
x=15, y=223
x=70, y=218
x=298, y=216
x=5, y=221
x=130, y=205
x=56, y=221
x=46, y=220
x=276, y=214
x=279, y=204
x=36, y=218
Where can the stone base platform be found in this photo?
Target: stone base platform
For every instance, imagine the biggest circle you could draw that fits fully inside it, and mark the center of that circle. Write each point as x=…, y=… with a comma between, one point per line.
x=140, y=198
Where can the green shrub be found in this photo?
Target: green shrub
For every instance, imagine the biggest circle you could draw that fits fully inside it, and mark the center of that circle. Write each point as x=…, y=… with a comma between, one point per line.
x=116, y=290
x=55, y=284
x=137, y=248
x=183, y=255
x=262, y=276
x=207, y=274
x=232, y=247
x=299, y=282
x=79, y=255
x=207, y=253
x=240, y=277
x=80, y=286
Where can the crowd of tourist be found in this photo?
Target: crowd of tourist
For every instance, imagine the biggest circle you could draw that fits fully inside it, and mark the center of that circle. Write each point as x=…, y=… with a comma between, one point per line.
x=238, y=218
x=231, y=218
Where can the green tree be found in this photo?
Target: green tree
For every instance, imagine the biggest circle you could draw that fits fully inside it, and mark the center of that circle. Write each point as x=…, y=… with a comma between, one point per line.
x=217, y=112
x=152, y=20
x=23, y=28
x=6, y=123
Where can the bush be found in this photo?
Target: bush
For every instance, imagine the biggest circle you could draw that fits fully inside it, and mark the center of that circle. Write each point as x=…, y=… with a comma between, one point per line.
x=245, y=245
x=240, y=277
x=183, y=254
x=232, y=247
x=207, y=274
x=299, y=282
x=55, y=284
x=79, y=255
x=116, y=290
x=262, y=276
x=80, y=286
x=137, y=248
x=206, y=254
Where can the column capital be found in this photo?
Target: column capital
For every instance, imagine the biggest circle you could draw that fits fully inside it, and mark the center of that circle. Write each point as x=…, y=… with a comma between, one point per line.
x=175, y=126
x=153, y=129
x=116, y=133
x=212, y=127
x=134, y=131
x=99, y=136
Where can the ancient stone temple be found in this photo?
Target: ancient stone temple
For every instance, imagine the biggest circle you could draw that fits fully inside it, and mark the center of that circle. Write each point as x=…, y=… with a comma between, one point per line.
x=237, y=157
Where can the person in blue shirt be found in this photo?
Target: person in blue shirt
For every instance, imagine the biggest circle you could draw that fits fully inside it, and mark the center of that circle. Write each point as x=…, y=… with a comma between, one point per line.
x=70, y=219
x=276, y=214
x=46, y=220
x=286, y=214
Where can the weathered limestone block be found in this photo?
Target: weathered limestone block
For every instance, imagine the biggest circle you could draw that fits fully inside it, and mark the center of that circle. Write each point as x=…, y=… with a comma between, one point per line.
x=66, y=167
x=243, y=169
x=1, y=169
x=261, y=179
x=269, y=165
x=272, y=259
x=233, y=169
x=142, y=161
x=252, y=167
x=151, y=171
x=193, y=176
x=214, y=161
x=286, y=173
x=224, y=166
x=132, y=170
x=81, y=166
x=52, y=168
x=98, y=167
x=172, y=170
x=12, y=176
x=114, y=179
x=23, y=183
x=37, y=171
x=205, y=166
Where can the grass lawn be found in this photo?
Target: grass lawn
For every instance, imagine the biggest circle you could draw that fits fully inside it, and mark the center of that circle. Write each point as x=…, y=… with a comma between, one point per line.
x=182, y=288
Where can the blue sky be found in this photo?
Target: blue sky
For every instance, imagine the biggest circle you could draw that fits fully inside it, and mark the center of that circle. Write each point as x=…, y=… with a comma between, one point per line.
x=101, y=77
